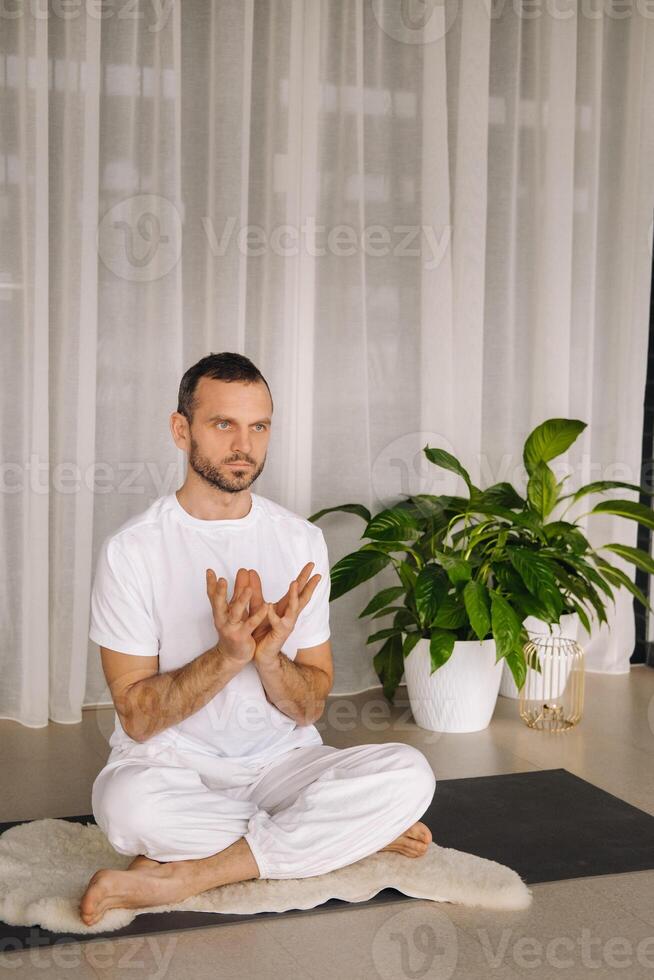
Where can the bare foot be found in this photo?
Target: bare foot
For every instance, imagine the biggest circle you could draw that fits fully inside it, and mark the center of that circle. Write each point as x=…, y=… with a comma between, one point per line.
x=414, y=842
x=144, y=883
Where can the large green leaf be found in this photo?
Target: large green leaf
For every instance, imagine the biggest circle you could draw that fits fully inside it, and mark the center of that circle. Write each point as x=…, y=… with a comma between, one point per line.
x=538, y=576
x=503, y=494
x=518, y=667
x=405, y=617
x=451, y=614
x=505, y=624
x=506, y=576
x=575, y=582
x=386, y=611
x=441, y=645
x=583, y=588
x=430, y=506
x=477, y=603
x=458, y=569
x=550, y=439
x=527, y=604
x=355, y=568
x=618, y=577
x=626, y=508
x=430, y=591
x=542, y=489
x=580, y=582
x=358, y=509
x=586, y=569
x=599, y=486
x=569, y=534
x=410, y=641
x=483, y=531
x=393, y=524
x=389, y=664
x=408, y=576
x=597, y=604
x=390, y=547
x=581, y=613
x=448, y=462
x=383, y=634
x=634, y=555
x=522, y=600
x=429, y=543
x=519, y=519
x=381, y=599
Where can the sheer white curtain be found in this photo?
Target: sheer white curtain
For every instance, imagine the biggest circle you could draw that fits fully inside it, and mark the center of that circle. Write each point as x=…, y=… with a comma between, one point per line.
x=423, y=222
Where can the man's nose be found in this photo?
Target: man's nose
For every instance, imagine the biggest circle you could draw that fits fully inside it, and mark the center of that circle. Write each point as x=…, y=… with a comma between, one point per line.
x=241, y=443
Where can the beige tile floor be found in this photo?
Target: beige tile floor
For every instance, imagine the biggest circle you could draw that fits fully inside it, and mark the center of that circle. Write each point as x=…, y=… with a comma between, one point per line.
x=591, y=927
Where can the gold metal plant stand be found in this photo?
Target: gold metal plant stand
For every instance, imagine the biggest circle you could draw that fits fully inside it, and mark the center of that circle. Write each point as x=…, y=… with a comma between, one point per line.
x=552, y=699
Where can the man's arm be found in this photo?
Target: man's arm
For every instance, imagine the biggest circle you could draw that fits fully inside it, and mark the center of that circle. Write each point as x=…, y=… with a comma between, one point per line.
x=151, y=704
x=298, y=688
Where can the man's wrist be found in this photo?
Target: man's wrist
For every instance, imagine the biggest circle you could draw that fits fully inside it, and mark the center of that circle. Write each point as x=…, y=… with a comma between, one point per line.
x=268, y=659
x=226, y=657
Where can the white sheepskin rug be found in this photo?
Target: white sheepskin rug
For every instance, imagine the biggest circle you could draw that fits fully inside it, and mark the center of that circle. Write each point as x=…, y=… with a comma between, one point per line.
x=45, y=867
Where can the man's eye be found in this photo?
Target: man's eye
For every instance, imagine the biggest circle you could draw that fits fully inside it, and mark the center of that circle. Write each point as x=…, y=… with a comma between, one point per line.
x=222, y=423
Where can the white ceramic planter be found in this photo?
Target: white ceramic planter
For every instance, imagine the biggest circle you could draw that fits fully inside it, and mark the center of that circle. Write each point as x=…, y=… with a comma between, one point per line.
x=567, y=627
x=461, y=695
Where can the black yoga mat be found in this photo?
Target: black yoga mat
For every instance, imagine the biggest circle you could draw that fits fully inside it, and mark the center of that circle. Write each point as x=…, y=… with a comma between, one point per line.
x=548, y=825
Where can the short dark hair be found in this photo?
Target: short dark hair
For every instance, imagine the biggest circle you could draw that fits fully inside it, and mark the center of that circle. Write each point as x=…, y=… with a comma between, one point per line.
x=226, y=366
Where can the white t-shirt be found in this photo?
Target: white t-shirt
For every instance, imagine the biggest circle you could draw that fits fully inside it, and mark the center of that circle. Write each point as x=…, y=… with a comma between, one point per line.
x=150, y=598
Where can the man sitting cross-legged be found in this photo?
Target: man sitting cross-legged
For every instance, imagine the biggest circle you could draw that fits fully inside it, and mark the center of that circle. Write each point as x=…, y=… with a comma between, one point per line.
x=217, y=772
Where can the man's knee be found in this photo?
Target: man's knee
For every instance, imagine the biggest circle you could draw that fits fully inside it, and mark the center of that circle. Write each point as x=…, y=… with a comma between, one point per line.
x=122, y=805
x=421, y=782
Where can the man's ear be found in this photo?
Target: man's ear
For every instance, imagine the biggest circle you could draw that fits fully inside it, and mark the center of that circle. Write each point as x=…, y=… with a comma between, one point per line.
x=179, y=429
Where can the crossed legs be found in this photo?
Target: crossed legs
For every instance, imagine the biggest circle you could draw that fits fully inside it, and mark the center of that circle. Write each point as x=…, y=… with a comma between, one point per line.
x=147, y=883
x=326, y=809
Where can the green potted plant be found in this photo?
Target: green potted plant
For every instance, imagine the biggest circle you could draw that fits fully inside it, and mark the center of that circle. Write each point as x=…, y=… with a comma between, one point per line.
x=471, y=569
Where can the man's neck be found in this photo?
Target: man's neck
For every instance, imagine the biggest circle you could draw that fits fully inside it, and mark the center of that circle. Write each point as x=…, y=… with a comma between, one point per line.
x=216, y=505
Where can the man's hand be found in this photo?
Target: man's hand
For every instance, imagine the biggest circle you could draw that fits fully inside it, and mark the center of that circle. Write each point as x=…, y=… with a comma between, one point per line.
x=281, y=616
x=234, y=623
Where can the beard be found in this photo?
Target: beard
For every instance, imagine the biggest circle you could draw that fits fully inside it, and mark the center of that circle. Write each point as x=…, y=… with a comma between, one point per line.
x=229, y=480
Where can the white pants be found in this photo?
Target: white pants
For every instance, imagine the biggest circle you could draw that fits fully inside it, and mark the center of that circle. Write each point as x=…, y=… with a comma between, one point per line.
x=311, y=810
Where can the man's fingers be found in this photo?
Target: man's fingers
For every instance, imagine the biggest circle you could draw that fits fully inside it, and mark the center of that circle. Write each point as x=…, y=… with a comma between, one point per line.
x=293, y=606
x=257, y=593
x=258, y=617
x=304, y=575
x=217, y=591
x=282, y=605
x=293, y=601
x=241, y=581
x=238, y=605
x=308, y=590
x=248, y=592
